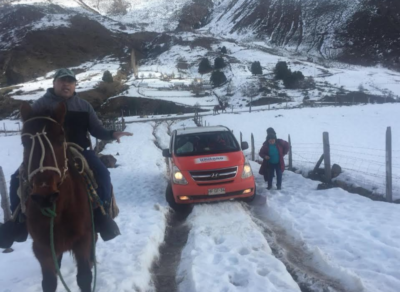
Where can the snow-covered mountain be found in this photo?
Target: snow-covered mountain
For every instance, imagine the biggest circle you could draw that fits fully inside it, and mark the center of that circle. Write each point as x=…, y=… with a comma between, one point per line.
x=365, y=32
x=362, y=31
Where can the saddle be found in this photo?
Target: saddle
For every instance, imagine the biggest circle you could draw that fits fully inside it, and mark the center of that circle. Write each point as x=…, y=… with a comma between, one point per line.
x=83, y=168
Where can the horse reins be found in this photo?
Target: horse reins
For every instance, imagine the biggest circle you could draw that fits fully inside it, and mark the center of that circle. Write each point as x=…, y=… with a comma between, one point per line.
x=41, y=137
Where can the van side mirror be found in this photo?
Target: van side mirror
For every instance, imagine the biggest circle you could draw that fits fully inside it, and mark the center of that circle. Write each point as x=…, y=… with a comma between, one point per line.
x=245, y=145
x=166, y=153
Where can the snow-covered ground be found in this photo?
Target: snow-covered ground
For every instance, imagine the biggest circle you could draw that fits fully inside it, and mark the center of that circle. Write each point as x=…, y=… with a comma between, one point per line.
x=344, y=237
x=348, y=237
x=225, y=245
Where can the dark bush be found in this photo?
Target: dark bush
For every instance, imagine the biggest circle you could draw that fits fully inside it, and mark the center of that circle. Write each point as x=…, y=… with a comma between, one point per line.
x=281, y=70
x=204, y=66
x=293, y=80
x=107, y=77
x=223, y=50
x=219, y=63
x=256, y=68
x=298, y=75
x=218, y=78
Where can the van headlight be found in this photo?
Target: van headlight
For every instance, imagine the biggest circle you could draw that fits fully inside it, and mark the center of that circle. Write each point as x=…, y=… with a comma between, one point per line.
x=247, y=170
x=178, y=177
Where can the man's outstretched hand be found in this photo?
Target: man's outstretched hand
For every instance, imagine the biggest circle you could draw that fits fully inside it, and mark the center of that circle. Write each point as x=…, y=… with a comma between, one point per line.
x=118, y=135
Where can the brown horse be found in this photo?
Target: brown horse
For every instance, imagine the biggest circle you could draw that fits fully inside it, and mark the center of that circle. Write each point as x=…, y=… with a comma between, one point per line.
x=54, y=180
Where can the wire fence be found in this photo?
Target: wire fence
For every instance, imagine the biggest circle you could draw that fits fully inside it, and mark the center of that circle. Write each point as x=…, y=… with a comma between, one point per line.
x=364, y=167
x=361, y=166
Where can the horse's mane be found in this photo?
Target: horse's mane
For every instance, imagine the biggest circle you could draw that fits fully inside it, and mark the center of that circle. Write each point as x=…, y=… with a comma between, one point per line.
x=45, y=112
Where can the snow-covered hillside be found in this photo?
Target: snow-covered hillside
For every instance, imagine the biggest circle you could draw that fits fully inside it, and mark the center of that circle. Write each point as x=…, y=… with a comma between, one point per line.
x=151, y=15
x=330, y=77
x=334, y=29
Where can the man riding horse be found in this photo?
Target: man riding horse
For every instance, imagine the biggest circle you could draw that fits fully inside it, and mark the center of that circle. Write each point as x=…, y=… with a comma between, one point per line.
x=80, y=119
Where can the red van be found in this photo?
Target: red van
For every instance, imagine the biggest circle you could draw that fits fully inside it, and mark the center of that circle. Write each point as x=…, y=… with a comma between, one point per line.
x=207, y=164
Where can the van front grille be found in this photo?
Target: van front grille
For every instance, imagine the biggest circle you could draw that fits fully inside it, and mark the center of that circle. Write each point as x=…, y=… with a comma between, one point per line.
x=214, y=174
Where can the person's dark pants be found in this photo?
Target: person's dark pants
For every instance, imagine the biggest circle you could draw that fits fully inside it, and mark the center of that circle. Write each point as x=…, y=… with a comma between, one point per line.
x=274, y=168
x=100, y=171
x=101, y=174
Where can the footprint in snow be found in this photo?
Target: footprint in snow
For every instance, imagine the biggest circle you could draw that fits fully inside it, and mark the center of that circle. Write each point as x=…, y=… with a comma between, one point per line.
x=244, y=251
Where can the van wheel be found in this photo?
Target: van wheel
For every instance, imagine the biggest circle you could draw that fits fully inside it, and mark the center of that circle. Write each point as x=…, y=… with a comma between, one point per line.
x=250, y=199
x=178, y=208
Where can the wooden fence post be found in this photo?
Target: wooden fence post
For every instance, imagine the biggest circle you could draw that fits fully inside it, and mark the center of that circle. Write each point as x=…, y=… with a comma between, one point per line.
x=5, y=203
x=4, y=125
x=241, y=138
x=290, y=155
x=389, y=164
x=327, y=158
x=252, y=147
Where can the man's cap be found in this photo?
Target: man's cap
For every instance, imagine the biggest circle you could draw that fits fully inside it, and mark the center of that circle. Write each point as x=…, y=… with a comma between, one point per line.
x=64, y=72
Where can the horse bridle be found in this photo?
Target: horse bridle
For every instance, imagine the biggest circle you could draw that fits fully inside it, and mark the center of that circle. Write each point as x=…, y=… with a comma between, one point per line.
x=41, y=137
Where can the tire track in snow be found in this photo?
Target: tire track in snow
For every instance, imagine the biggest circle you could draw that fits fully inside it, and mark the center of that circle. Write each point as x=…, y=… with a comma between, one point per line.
x=176, y=234
x=297, y=260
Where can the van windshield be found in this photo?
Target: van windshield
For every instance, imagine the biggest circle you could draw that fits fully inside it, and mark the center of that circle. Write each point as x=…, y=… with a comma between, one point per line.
x=205, y=143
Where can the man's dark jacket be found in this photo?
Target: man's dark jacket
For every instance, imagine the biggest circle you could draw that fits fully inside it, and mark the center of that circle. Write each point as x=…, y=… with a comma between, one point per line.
x=80, y=118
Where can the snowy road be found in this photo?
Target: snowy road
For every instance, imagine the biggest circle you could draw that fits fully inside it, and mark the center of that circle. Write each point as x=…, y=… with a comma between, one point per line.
x=301, y=240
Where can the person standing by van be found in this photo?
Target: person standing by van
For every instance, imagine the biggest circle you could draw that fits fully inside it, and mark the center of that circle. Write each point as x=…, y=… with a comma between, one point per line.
x=273, y=151
x=264, y=165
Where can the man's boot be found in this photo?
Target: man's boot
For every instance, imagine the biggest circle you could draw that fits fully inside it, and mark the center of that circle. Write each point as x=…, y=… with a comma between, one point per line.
x=104, y=225
x=12, y=231
x=21, y=231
